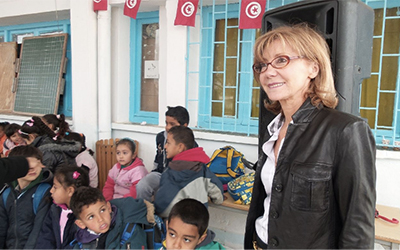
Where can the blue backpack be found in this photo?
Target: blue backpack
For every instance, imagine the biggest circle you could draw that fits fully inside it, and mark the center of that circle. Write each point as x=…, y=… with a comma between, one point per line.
x=37, y=196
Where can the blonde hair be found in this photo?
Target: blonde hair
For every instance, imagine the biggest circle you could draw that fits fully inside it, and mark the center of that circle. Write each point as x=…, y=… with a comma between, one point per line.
x=311, y=45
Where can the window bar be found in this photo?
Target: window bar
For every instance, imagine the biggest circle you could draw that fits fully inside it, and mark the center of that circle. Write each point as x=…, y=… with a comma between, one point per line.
x=396, y=110
x=380, y=75
x=224, y=87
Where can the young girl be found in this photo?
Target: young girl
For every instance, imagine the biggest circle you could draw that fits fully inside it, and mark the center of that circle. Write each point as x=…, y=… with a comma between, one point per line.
x=85, y=157
x=55, y=150
x=3, y=136
x=58, y=228
x=126, y=173
x=56, y=123
x=13, y=138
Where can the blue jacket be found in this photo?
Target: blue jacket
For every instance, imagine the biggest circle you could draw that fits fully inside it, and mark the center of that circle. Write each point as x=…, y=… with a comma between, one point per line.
x=50, y=236
x=124, y=211
x=20, y=227
x=187, y=179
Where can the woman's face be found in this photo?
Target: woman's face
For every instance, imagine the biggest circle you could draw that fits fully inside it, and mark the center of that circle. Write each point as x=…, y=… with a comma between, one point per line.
x=288, y=84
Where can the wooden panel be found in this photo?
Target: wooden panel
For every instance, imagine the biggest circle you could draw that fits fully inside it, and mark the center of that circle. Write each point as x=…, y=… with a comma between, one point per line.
x=106, y=159
x=8, y=55
x=384, y=230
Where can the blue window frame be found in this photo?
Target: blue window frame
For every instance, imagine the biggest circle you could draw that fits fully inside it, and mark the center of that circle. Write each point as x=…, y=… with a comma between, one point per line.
x=137, y=112
x=10, y=33
x=225, y=96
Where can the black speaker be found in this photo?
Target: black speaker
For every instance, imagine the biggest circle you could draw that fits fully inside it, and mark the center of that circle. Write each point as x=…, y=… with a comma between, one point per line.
x=347, y=26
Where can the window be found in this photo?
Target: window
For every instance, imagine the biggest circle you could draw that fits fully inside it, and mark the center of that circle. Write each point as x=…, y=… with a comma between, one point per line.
x=144, y=68
x=226, y=86
x=379, y=102
x=17, y=32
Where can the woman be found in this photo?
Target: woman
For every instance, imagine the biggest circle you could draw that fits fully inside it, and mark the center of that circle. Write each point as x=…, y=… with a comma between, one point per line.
x=315, y=181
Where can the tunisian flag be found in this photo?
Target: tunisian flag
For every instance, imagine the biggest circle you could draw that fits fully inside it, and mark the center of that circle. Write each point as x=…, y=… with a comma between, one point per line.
x=251, y=13
x=131, y=8
x=186, y=12
x=99, y=5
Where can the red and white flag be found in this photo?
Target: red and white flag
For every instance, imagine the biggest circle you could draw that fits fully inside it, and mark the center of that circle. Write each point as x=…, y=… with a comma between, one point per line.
x=186, y=12
x=99, y=5
x=131, y=8
x=251, y=13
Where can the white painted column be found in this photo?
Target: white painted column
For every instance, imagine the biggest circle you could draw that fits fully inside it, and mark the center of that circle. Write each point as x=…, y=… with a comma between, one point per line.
x=172, y=60
x=84, y=69
x=104, y=72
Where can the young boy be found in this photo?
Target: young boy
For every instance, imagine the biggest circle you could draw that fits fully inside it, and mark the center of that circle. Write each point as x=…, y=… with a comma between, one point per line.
x=187, y=175
x=101, y=223
x=24, y=204
x=148, y=185
x=187, y=227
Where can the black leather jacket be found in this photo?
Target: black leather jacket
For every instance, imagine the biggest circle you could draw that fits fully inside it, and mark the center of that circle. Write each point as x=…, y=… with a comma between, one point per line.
x=323, y=192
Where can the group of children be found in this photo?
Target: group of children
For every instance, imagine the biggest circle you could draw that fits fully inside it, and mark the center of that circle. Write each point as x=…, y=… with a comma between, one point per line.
x=86, y=217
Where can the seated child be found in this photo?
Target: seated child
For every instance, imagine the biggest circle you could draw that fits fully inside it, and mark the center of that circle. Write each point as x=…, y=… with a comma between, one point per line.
x=59, y=228
x=13, y=138
x=85, y=157
x=187, y=175
x=3, y=137
x=126, y=173
x=148, y=186
x=24, y=205
x=101, y=223
x=187, y=227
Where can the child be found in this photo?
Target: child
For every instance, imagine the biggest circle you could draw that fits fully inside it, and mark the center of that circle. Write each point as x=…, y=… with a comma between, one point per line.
x=56, y=123
x=85, y=157
x=55, y=150
x=126, y=173
x=187, y=175
x=13, y=138
x=3, y=136
x=187, y=227
x=58, y=228
x=148, y=186
x=102, y=223
x=24, y=205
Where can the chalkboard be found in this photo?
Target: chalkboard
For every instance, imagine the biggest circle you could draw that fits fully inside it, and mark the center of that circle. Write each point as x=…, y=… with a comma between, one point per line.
x=39, y=81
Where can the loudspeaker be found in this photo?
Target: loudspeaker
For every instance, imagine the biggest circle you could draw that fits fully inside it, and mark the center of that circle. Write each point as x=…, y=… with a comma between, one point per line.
x=347, y=26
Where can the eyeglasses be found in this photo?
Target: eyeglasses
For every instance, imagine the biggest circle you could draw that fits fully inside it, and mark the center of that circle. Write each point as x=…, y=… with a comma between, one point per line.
x=277, y=63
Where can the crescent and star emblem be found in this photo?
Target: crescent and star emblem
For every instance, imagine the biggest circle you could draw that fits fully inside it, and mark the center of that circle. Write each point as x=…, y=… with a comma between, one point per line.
x=131, y=3
x=253, y=10
x=187, y=9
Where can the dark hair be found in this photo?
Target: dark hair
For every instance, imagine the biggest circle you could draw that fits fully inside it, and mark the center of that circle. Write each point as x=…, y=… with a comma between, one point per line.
x=192, y=212
x=183, y=134
x=36, y=126
x=179, y=113
x=26, y=151
x=79, y=137
x=71, y=175
x=4, y=125
x=84, y=196
x=11, y=129
x=129, y=142
x=59, y=123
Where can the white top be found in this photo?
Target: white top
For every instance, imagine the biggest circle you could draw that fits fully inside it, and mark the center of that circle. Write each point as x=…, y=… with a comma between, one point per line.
x=88, y=160
x=267, y=174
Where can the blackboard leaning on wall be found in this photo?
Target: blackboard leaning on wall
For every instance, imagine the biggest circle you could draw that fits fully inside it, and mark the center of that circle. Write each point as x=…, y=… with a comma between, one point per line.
x=39, y=81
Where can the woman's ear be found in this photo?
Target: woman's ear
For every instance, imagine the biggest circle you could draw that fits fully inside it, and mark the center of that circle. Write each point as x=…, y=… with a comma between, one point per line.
x=314, y=70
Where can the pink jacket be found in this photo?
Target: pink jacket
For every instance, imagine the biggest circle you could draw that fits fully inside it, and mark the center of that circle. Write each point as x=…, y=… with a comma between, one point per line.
x=86, y=159
x=122, y=182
